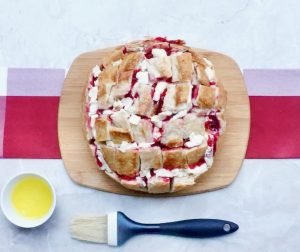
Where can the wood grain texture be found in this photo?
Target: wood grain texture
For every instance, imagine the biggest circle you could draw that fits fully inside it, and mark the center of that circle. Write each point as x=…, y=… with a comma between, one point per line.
x=80, y=163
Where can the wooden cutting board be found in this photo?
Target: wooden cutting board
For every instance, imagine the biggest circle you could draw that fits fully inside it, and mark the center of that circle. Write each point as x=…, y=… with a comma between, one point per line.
x=80, y=163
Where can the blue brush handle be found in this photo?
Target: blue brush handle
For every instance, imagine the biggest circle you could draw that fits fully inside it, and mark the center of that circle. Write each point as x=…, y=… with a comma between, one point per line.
x=194, y=228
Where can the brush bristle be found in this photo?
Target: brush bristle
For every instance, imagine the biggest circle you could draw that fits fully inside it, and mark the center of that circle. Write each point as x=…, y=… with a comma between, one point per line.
x=89, y=228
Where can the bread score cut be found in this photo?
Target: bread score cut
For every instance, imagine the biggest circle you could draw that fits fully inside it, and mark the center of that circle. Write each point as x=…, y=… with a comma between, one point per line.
x=154, y=111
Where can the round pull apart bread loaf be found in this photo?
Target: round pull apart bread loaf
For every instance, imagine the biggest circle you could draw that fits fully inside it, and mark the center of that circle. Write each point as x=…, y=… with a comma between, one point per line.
x=154, y=113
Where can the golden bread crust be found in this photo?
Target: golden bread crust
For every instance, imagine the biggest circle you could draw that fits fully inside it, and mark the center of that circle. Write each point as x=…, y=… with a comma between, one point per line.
x=109, y=156
x=174, y=158
x=182, y=93
x=114, y=56
x=179, y=184
x=127, y=163
x=151, y=158
x=193, y=155
x=206, y=97
x=185, y=66
x=118, y=135
x=142, y=133
x=102, y=132
x=173, y=134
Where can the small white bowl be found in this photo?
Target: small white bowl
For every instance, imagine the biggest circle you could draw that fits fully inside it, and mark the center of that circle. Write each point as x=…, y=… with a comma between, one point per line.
x=9, y=211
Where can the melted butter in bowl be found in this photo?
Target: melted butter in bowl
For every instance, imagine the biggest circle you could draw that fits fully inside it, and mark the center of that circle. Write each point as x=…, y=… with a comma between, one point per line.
x=28, y=200
x=32, y=197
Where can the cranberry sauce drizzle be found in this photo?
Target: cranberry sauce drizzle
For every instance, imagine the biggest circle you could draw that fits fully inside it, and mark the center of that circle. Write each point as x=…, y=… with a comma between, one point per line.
x=152, y=172
x=164, y=39
x=171, y=168
x=133, y=82
x=92, y=81
x=168, y=50
x=212, y=123
x=157, y=140
x=168, y=80
x=153, y=89
x=167, y=118
x=161, y=39
x=199, y=163
x=128, y=178
x=195, y=91
x=166, y=179
x=134, y=78
x=145, y=180
x=109, y=118
x=161, y=101
x=177, y=41
x=100, y=111
x=92, y=141
x=148, y=53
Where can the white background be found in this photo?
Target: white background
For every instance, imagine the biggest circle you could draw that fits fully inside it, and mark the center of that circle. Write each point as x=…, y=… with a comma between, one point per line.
x=264, y=200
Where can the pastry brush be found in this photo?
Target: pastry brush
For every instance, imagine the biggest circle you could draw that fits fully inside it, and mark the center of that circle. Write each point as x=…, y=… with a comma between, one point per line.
x=116, y=228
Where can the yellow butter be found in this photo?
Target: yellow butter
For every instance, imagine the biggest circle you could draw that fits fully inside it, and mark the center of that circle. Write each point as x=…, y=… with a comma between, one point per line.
x=32, y=197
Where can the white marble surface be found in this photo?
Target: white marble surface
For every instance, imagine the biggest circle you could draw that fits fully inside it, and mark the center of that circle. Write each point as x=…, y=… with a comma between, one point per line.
x=258, y=34
x=263, y=201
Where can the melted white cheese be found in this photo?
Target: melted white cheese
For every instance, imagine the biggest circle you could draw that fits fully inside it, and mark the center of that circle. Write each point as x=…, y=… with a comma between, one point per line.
x=140, y=181
x=93, y=92
x=158, y=52
x=108, y=112
x=164, y=114
x=163, y=173
x=118, y=105
x=210, y=72
x=145, y=173
x=157, y=122
x=93, y=108
x=127, y=102
x=181, y=172
x=179, y=115
x=159, y=89
x=96, y=71
x=145, y=145
x=195, y=140
x=198, y=170
x=134, y=119
x=143, y=65
x=93, y=120
x=208, y=157
x=94, y=132
x=127, y=146
x=142, y=77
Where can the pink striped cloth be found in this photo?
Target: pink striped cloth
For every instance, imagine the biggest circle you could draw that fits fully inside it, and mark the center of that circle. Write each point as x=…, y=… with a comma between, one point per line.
x=29, y=105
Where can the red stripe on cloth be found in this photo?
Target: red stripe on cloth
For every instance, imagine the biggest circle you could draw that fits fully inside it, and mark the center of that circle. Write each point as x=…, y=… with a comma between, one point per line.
x=31, y=127
x=2, y=122
x=275, y=127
